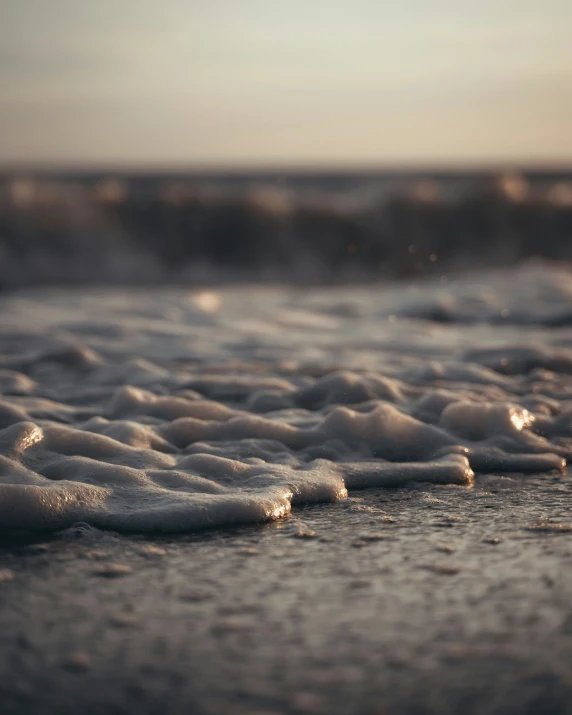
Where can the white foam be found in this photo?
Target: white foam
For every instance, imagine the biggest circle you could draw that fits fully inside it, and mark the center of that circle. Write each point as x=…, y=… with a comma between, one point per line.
x=164, y=410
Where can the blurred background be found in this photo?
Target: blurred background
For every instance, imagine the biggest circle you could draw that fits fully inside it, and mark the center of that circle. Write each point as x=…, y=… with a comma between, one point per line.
x=257, y=140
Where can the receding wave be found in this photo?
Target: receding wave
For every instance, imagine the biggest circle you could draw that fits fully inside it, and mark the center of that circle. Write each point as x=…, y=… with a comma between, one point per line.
x=174, y=409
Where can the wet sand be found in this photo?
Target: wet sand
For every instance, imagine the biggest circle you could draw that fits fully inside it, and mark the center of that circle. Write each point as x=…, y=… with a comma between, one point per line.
x=428, y=599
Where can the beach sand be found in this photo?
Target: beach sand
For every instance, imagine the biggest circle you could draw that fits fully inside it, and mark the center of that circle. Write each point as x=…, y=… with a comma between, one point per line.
x=419, y=600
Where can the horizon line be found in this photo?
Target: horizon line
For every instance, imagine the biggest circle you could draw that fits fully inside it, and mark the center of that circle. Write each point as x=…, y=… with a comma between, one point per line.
x=282, y=167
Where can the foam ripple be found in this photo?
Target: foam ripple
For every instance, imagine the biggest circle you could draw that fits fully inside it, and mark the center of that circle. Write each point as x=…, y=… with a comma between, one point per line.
x=212, y=423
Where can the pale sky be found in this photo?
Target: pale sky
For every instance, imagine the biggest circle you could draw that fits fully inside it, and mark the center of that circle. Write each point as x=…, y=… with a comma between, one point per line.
x=231, y=82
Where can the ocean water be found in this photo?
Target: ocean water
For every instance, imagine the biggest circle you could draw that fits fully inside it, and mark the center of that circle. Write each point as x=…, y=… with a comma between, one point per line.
x=305, y=228
x=177, y=409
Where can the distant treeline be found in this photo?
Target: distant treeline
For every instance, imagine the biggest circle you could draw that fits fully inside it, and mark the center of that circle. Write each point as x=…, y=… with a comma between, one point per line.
x=57, y=230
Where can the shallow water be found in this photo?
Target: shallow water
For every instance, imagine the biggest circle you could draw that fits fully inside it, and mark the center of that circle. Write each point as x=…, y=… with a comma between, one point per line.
x=175, y=410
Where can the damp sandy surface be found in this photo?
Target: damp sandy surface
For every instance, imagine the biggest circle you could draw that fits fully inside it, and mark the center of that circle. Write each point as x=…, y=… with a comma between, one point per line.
x=422, y=600
x=168, y=410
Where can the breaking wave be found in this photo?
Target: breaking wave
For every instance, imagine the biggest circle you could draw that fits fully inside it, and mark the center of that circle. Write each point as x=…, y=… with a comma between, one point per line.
x=304, y=229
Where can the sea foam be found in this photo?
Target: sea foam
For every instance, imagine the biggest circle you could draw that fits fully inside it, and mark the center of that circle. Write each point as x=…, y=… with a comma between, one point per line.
x=172, y=410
